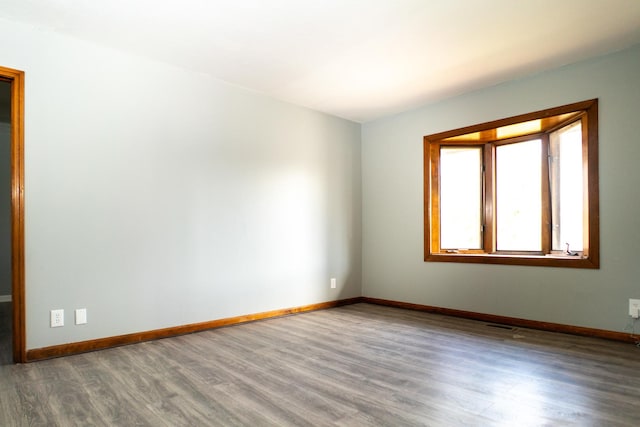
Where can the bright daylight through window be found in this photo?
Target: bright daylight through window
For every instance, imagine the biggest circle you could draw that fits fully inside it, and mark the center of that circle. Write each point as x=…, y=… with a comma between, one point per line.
x=522, y=190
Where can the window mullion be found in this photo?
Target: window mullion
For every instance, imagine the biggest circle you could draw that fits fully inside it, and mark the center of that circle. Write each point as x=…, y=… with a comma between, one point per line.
x=546, y=226
x=488, y=193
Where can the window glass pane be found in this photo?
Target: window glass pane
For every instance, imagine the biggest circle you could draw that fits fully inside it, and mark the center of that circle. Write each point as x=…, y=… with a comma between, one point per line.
x=460, y=198
x=565, y=168
x=518, y=196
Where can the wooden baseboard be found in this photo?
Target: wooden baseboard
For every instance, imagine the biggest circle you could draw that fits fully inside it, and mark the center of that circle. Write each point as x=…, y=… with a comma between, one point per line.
x=511, y=321
x=109, y=342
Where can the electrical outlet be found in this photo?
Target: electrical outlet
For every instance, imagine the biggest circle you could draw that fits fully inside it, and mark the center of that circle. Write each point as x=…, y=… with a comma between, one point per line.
x=81, y=316
x=333, y=283
x=57, y=318
x=634, y=308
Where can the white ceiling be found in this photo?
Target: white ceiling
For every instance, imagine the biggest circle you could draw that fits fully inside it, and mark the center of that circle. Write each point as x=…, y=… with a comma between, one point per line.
x=357, y=59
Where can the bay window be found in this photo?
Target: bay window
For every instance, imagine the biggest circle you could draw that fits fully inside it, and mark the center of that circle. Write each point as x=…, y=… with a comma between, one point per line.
x=522, y=190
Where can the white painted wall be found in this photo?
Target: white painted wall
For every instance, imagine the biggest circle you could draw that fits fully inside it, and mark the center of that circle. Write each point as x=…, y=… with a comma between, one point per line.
x=158, y=197
x=393, y=204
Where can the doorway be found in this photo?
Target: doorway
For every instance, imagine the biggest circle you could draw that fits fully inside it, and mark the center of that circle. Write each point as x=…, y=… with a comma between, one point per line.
x=6, y=312
x=12, y=308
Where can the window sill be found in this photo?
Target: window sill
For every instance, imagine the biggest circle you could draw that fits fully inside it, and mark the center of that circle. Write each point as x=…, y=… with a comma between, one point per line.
x=551, y=260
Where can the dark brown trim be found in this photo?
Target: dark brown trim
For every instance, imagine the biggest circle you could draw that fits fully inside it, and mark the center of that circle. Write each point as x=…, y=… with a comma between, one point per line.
x=109, y=342
x=592, y=248
x=427, y=181
x=512, y=259
x=541, y=114
x=512, y=321
x=16, y=78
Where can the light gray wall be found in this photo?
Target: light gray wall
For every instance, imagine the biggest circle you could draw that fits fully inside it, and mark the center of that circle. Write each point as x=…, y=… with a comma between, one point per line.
x=158, y=197
x=393, y=204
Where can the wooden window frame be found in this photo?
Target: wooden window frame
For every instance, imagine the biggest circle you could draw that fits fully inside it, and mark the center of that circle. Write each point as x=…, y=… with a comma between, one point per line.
x=486, y=134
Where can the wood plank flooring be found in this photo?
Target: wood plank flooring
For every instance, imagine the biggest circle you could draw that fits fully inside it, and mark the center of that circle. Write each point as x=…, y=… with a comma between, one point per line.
x=357, y=365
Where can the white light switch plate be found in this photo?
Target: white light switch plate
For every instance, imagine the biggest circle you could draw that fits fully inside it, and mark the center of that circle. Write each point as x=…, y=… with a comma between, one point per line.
x=81, y=316
x=634, y=308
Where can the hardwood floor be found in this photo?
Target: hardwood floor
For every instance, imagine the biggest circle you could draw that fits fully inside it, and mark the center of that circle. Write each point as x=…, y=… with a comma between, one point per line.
x=357, y=365
x=6, y=354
